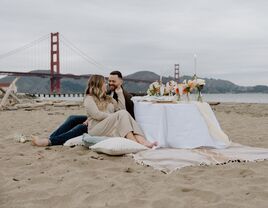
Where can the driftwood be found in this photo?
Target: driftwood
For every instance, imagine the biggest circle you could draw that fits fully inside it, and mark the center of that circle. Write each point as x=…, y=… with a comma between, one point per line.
x=8, y=92
x=10, y=108
x=49, y=101
x=67, y=104
x=12, y=95
x=17, y=104
x=30, y=105
x=33, y=106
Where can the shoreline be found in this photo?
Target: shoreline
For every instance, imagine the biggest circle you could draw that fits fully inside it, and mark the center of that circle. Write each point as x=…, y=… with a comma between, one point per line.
x=211, y=97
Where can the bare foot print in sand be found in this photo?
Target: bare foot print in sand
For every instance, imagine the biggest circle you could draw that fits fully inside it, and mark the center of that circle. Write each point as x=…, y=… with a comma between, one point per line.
x=36, y=141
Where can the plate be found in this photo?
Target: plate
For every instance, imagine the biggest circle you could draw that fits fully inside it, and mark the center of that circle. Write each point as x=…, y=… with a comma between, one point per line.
x=164, y=101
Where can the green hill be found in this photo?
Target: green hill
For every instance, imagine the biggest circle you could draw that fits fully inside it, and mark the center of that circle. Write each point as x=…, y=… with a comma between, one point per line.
x=42, y=85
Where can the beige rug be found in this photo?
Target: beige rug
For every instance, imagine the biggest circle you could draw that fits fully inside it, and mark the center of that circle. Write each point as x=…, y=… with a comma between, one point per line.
x=168, y=160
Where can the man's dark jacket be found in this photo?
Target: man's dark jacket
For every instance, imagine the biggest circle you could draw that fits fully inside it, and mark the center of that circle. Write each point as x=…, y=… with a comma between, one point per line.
x=129, y=103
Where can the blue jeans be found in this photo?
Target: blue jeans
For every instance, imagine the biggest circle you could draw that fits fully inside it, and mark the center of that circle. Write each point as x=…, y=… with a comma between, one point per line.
x=71, y=128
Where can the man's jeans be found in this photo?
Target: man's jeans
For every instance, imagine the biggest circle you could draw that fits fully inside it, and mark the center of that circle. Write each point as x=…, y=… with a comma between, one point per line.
x=71, y=128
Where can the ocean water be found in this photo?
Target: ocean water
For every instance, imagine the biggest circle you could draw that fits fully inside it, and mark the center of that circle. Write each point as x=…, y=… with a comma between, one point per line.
x=236, y=98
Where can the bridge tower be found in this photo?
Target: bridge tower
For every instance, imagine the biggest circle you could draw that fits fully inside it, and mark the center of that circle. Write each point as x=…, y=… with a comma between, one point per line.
x=177, y=73
x=54, y=63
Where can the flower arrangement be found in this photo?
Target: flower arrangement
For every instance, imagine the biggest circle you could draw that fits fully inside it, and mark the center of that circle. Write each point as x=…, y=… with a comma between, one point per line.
x=189, y=86
x=200, y=83
x=173, y=88
x=154, y=89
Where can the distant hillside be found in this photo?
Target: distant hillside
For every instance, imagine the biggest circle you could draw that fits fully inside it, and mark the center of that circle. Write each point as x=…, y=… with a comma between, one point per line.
x=42, y=85
x=212, y=85
x=144, y=75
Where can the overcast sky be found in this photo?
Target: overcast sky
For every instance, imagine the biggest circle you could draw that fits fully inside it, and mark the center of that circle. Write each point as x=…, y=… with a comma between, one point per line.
x=230, y=37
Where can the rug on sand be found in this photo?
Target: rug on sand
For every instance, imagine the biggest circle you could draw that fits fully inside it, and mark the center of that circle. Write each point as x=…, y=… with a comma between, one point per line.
x=168, y=160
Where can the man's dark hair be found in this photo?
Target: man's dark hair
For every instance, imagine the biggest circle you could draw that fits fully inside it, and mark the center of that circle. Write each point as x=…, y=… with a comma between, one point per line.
x=118, y=73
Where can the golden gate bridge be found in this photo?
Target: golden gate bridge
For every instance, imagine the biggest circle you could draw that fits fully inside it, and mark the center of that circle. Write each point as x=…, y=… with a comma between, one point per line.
x=54, y=59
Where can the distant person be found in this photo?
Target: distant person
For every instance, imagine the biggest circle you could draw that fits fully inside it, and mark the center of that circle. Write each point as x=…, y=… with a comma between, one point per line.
x=76, y=125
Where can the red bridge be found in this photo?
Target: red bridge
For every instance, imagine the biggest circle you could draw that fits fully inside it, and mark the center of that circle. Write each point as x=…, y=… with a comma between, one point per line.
x=52, y=45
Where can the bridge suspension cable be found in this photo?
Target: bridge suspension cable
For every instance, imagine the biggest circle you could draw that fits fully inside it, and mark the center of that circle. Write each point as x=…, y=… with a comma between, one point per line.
x=24, y=47
x=82, y=54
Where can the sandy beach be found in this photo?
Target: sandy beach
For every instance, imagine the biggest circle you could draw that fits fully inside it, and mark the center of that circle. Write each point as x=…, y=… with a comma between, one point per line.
x=60, y=176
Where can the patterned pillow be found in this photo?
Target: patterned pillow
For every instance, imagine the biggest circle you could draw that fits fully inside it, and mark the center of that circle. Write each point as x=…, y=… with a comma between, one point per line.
x=91, y=140
x=74, y=142
x=117, y=146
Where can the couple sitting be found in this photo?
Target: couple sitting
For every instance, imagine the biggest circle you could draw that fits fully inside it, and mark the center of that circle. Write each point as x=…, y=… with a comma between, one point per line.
x=110, y=116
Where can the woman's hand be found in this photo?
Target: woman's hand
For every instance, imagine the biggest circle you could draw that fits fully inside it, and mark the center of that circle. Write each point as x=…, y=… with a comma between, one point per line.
x=119, y=89
x=85, y=123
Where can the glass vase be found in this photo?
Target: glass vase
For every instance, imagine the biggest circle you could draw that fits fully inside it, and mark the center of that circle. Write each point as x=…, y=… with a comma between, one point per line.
x=178, y=97
x=187, y=97
x=199, y=97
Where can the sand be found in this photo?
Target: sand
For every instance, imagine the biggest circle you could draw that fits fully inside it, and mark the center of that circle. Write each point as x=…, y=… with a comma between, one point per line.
x=60, y=176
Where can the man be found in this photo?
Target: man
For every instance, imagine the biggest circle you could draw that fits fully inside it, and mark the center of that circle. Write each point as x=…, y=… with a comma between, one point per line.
x=76, y=125
x=115, y=84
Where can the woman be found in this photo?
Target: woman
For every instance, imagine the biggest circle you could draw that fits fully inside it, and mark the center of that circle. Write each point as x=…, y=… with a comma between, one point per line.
x=106, y=117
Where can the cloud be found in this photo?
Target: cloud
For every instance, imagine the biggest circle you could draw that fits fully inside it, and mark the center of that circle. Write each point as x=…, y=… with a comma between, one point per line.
x=151, y=35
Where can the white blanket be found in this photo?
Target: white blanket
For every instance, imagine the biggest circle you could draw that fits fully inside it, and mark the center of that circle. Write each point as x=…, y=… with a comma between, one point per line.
x=182, y=125
x=168, y=160
x=214, y=128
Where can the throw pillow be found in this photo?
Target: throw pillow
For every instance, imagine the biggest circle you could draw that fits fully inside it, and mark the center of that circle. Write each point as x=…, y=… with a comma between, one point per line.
x=91, y=140
x=118, y=146
x=74, y=142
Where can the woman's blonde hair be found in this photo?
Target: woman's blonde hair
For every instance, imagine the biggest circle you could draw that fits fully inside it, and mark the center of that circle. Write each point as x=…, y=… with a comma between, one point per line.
x=94, y=86
x=94, y=89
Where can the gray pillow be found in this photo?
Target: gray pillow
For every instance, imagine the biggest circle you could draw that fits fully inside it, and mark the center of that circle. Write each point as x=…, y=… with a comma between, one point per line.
x=91, y=140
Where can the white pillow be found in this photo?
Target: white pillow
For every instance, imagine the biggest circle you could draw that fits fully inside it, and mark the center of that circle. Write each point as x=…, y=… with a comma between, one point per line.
x=74, y=141
x=91, y=140
x=117, y=146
